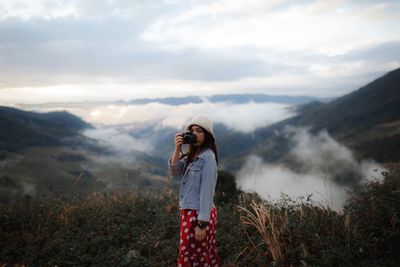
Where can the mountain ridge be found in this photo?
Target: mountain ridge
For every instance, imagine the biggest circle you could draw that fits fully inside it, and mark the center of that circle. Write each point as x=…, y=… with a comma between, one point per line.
x=174, y=101
x=368, y=109
x=232, y=98
x=23, y=129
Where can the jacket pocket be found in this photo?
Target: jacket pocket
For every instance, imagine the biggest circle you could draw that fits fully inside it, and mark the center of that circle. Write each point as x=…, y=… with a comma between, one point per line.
x=195, y=179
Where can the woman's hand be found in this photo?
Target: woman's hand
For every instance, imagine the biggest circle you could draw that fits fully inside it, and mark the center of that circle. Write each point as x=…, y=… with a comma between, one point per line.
x=178, y=141
x=178, y=145
x=199, y=234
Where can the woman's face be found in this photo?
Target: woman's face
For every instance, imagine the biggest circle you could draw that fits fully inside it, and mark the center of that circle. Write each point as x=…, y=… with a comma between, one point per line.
x=199, y=135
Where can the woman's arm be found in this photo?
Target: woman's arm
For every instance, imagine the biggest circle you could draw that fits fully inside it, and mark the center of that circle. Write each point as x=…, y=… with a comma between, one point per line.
x=174, y=165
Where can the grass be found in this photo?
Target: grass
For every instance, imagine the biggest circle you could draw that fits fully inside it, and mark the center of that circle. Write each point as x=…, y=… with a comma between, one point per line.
x=123, y=228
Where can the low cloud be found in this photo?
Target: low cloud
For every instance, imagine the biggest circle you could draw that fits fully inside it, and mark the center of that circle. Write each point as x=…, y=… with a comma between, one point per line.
x=270, y=181
x=15, y=188
x=118, y=140
x=323, y=167
x=240, y=117
x=124, y=147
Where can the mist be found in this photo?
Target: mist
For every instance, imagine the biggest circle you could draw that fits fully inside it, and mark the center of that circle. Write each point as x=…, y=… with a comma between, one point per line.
x=327, y=170
x=129, y=130
x=239, y=117
x=124, y=147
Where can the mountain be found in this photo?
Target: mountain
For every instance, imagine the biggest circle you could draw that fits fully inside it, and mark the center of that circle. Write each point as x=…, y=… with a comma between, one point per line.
x=232, y=98
x=176, y=101
x=261, y=98
x=48, y=152
x=21, y=129
x=374, y=104
x=366, y=120
x=362, y=119
x=44, y=154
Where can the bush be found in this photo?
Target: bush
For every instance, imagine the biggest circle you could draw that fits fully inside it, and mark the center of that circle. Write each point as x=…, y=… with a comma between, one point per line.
x=142, y=229
x=376, y=215
x=226, y=189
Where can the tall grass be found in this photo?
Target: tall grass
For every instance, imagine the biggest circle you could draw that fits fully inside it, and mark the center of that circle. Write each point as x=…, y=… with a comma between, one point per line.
x=124, y=228
x=270, y=224
x=303, y=233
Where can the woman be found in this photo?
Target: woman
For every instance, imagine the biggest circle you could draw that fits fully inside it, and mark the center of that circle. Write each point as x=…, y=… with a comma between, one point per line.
x=198, y=215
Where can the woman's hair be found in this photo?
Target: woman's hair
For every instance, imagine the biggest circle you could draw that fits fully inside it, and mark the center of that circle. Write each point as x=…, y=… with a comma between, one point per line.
x=208, y=142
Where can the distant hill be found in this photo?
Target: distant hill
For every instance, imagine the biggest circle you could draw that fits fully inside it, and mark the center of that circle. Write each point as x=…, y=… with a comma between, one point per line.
x=362, y=119
x=21, y=129
x=366, y=120
x=44, y=154
x=232, y=98
x=372, y=105
x=176, y=101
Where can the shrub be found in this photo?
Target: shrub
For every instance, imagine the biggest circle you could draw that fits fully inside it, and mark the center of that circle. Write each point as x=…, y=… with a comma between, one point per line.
x=125, y=228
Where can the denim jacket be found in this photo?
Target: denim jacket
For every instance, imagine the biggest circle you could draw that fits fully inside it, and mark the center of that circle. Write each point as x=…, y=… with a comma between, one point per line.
x=198, y=183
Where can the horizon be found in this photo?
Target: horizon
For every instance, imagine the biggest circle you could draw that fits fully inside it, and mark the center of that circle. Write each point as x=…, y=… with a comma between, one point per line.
x=201, y=96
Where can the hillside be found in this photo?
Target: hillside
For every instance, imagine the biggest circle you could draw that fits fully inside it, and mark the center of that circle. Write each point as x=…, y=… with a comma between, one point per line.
x=363, y=119
x=366, y=120
x=44, y=154
x=373, y=105
x=125, y=228
x=232, y=98
x=21, y=129
x=48, y=151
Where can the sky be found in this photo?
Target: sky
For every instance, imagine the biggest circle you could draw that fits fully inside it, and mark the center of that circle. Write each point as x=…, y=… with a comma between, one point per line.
x=76, y=50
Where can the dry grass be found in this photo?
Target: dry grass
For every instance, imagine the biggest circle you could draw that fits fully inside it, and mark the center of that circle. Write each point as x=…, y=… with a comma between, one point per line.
x=131, y=229
x=270, y=224
x=292, y=231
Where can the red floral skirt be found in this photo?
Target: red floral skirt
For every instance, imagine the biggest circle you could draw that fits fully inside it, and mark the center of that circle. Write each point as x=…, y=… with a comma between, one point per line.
x=193, y=252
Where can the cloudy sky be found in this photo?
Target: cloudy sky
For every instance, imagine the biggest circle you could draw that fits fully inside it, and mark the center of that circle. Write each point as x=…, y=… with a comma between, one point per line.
x=54, y=51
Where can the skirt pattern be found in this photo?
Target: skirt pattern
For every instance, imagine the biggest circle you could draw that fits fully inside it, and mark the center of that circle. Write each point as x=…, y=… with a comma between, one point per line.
x=197, y=253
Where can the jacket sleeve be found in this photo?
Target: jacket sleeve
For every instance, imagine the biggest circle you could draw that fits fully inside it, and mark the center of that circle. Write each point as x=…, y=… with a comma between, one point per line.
x=207, y=188
x=175, y=169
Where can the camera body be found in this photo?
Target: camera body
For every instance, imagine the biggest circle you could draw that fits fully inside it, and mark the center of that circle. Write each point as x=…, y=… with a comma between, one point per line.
x=189, y=138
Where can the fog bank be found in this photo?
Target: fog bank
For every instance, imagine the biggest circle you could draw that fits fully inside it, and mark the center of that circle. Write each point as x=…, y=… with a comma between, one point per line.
x=328, y=170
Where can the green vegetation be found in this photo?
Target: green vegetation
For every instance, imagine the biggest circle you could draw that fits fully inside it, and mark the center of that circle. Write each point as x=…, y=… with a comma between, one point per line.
x=382, y=149
x=122, y=228
x=373, y=104
x=366, y=120
x=22, y=129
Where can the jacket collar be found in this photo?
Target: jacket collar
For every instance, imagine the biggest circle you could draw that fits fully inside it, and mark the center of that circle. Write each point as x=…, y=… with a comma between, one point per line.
x=203, y=153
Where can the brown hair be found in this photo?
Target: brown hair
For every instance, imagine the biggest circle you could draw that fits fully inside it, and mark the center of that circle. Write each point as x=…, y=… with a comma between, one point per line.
x=209, y=142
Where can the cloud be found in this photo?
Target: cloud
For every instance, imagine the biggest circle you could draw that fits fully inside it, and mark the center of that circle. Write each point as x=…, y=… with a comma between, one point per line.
x=111, y=51
x=132, y=49
x=75, y=9
x=325, y=168
x=118, y=141
x=15, y=188
x=270, y=181
x=124, y=147
x=287, y=26
x=247, y=117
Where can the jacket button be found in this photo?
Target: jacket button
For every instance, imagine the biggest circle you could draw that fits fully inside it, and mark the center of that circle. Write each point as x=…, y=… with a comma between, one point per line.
x=183, y=183
x=181, y=196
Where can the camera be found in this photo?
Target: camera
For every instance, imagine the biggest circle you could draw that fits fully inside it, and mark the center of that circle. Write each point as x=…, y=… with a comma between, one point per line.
x=189, y=138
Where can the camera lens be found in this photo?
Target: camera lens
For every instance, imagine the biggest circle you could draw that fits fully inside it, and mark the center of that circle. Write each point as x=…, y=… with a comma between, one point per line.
x=189, y=138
